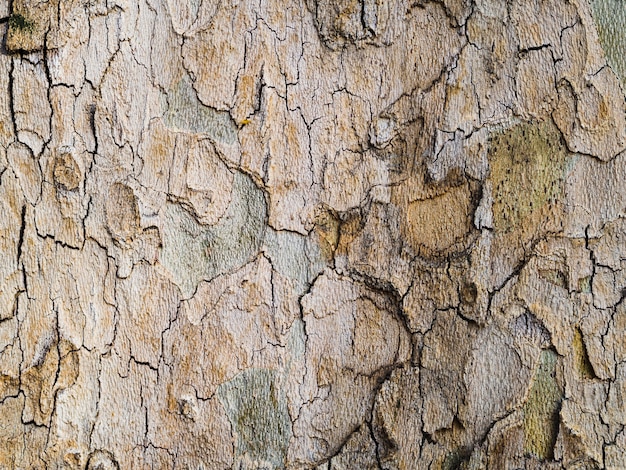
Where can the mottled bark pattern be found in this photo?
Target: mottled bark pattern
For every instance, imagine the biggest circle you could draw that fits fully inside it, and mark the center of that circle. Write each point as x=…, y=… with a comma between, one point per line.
x=312, y=234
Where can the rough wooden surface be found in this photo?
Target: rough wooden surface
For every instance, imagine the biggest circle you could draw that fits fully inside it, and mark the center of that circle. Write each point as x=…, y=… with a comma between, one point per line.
x=312, y=234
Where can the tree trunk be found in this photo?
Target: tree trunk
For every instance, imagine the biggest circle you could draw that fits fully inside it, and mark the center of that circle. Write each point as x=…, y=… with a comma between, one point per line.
x=312, y=234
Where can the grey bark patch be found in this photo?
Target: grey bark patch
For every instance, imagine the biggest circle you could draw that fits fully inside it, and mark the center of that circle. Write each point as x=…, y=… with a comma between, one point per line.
x=193, y=252
x=257, y=409
x=532, y=329
x=186, y=112
x=195, y=6
x=294, y=256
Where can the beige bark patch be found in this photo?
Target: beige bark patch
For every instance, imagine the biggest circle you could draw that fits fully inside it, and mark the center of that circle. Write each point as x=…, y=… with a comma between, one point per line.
x=122, y=213
x=442, y=222
x=66, y=172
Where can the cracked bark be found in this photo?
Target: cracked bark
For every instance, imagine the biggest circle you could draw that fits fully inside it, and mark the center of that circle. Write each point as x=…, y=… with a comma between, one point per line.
x=312, y=235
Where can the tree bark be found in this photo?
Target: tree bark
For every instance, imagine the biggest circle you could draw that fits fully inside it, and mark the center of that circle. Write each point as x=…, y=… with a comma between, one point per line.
x=354, y=234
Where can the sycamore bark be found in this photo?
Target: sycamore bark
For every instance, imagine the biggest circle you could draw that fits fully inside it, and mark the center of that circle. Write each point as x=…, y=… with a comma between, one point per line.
x=312, y=234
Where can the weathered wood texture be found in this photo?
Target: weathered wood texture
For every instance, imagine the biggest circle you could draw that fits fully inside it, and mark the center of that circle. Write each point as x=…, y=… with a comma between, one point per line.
x=353, y=234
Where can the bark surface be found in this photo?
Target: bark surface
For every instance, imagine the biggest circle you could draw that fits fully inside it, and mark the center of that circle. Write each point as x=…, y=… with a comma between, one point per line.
x=354, y=234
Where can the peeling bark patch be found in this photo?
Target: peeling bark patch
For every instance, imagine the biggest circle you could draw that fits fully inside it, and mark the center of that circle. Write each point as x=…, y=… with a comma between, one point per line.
x=349, y=21
x=66, y=172
x=257, y=409
x=11, y=241
x=327, y=228
x=527, y=162
x=343, y=319
x=442, y=223
x=122, y=213
x=541, y=410
x=186, y=112
x=193, y=252
x=610, y=19
x=102, y=460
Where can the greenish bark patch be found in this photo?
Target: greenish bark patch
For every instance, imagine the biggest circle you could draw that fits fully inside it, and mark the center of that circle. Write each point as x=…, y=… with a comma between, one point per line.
x=541, y=410
x=257, y=409
x=195, y=6
x=584, y=284
x=186, y=112
x=554, y=276
x=20, y=22
x=528, y=163
x=457, y=460
x=610, y=19
x=583, y=364
x=193, y=252
x=294, y=256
